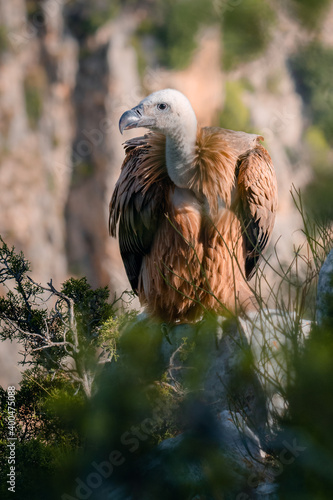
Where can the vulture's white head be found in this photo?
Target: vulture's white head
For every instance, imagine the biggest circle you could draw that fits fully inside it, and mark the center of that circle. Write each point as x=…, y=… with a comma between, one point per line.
x=170, y=113
x=166, y=111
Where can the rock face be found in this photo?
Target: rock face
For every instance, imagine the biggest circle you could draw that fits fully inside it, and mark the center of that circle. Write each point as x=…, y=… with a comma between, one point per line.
x=270, y=335
x=229, y=377
x=239, y=452
x=223, y=410
x=107, y=84
x=36, y=81
x=325, y=292
x=276, y=112
x=37, y=76
x=220, y=352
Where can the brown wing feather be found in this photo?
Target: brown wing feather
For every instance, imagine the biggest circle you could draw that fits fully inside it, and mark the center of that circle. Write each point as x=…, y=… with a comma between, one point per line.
x=138, y=200
x=171, y=274
x=257, y=203
x=216, y=154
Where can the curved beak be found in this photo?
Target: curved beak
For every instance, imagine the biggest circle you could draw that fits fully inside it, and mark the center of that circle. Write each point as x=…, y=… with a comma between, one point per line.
x=134, y=118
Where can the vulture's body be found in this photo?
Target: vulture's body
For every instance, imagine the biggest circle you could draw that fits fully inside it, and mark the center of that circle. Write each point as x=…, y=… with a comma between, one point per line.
x=195, y=209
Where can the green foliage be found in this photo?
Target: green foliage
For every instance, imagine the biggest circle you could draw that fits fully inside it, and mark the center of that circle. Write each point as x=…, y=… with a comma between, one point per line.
x=83, y=170
x=246, y=28
x=312, y=71
x=311, y=67
x=33, y=479
x=51, y=338
x=175, y=24
x=109, y=333
x=309, y=474
x=137, y=407
x=318, y=196
x=91, y=308
x=235, y=114
x=48, y=430
x=85, y=18
x=186, y=349
x=62, y=345
x=315, y=139
x=4, y=43
x=318, y=233
x=318, y=149
x=33, y=92
x=310, y=12
x=33, y=7
x=47, y=409
x=16, y=310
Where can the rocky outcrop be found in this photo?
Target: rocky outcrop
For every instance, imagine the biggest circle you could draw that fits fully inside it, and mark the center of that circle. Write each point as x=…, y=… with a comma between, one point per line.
x=36, y=81
x=180, y=461
x=325, y=292
x=224, y=374
x=276, y=112
x=107, y=83
x=37, y=77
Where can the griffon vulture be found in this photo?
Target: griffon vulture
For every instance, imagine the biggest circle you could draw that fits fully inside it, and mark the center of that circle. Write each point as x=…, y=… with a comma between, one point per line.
x=195, y=206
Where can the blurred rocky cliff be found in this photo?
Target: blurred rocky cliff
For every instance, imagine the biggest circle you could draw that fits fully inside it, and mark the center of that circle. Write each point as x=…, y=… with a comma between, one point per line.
x=68, y=69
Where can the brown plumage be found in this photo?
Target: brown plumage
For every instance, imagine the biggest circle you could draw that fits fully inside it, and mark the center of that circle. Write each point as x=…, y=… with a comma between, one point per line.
x=191, y=249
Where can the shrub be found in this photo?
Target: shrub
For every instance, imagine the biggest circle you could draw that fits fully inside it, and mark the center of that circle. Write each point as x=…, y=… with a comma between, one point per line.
x=311, y=68
x=85, y=18
x=246, y=28
x=64, y=338
x=235, y=114
x=174, y=24
x=310, y=12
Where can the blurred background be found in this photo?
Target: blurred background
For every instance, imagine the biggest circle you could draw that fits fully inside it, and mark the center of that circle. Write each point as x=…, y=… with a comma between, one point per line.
x=69, y=69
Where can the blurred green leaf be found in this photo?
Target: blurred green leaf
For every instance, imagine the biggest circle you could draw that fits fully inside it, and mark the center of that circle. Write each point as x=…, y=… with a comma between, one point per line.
x=246, y=30
x=235, y=114
x=310, y=12
x=312, y=69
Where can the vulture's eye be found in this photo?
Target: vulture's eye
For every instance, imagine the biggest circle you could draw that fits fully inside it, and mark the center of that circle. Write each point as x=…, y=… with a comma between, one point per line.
x=162, y=106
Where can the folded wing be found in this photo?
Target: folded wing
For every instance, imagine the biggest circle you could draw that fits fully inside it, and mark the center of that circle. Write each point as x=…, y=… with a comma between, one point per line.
x=257, y=203
x=139, y=200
